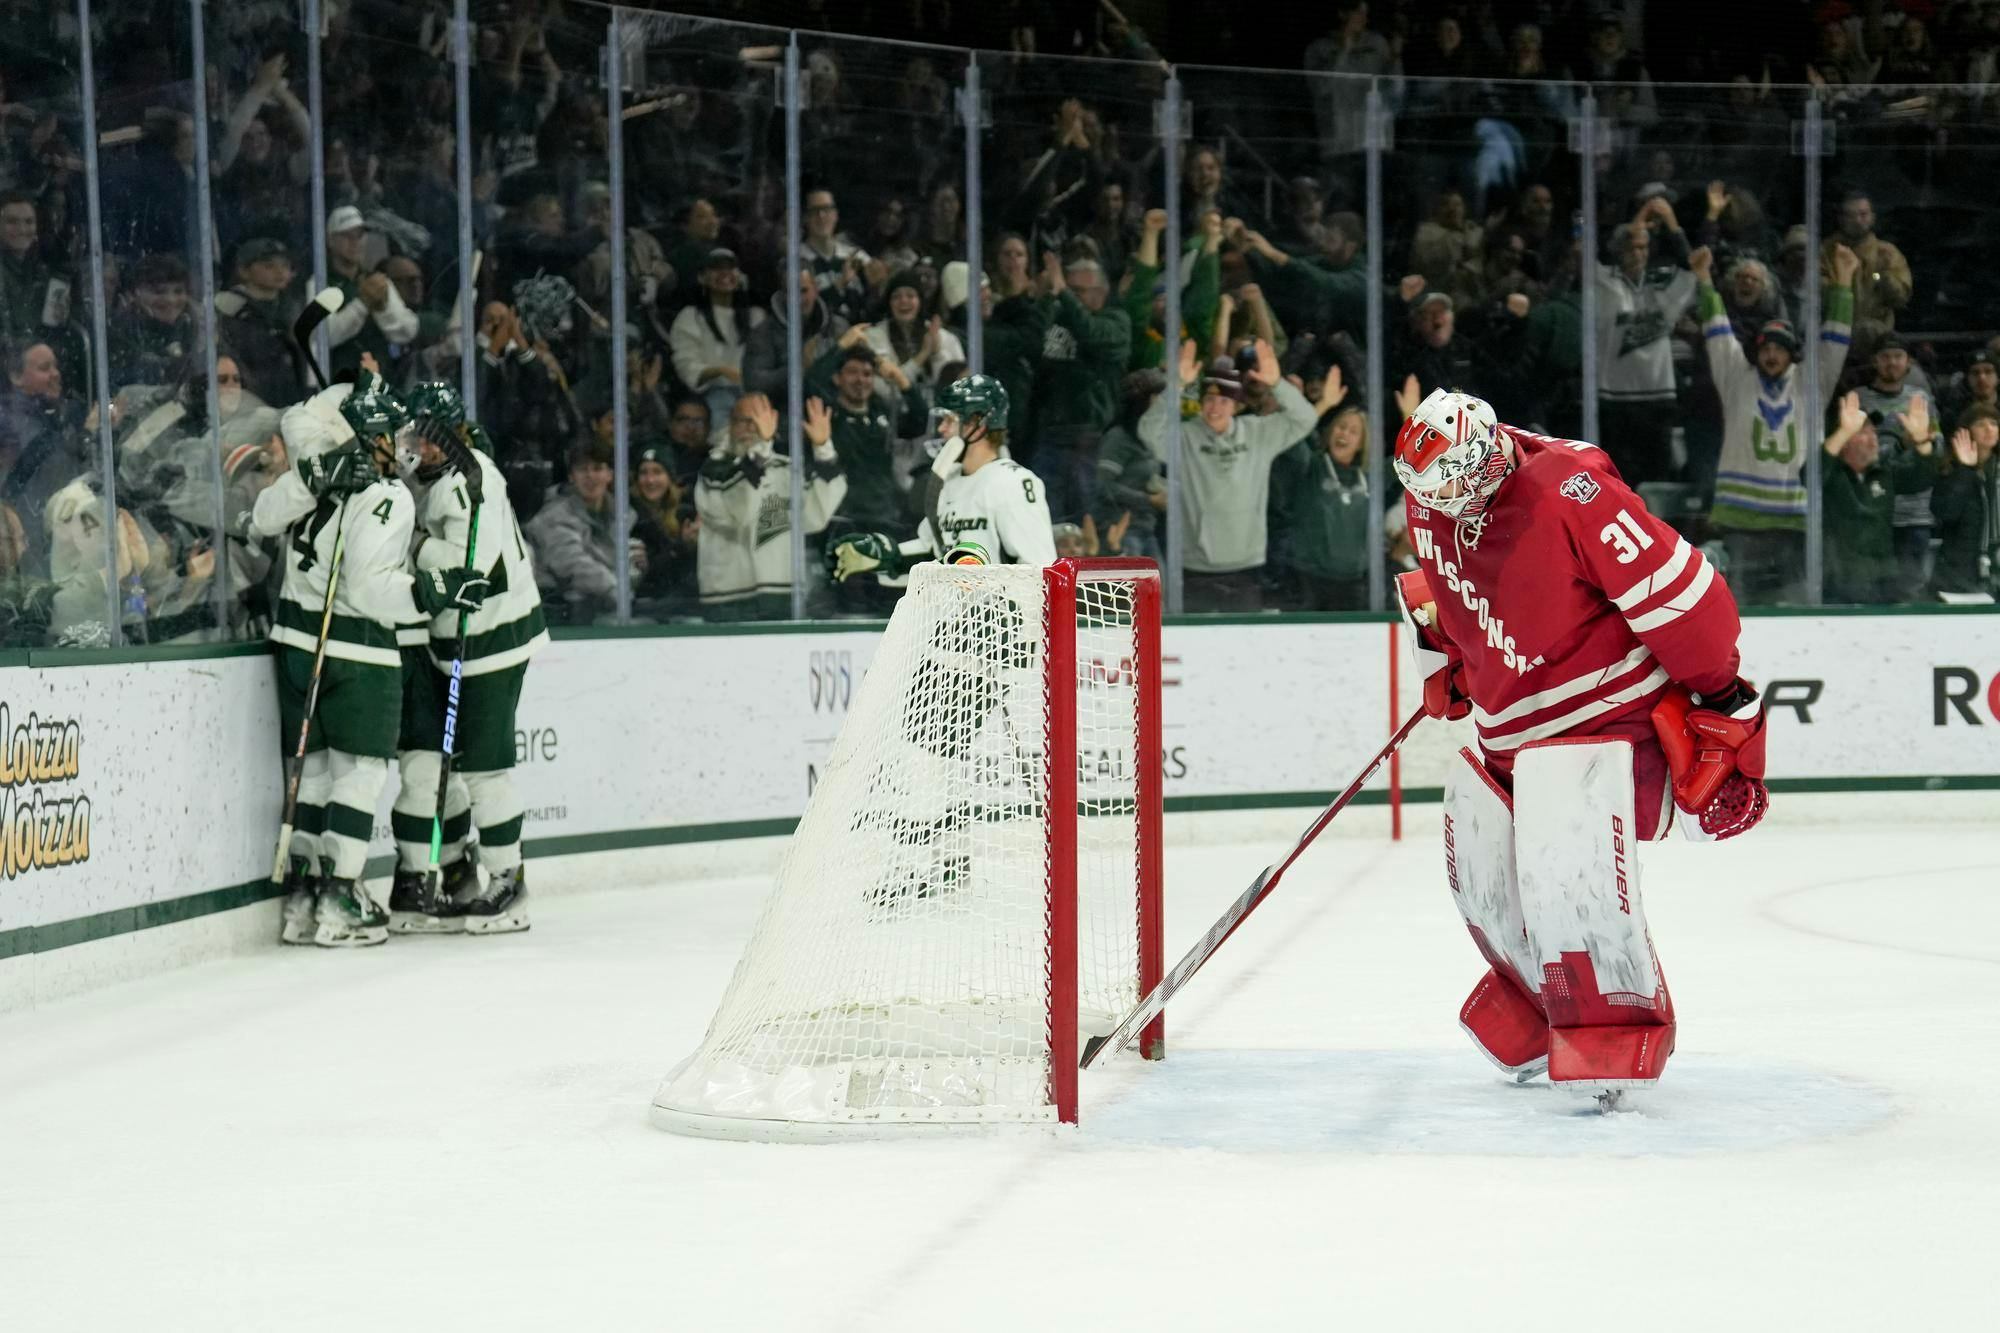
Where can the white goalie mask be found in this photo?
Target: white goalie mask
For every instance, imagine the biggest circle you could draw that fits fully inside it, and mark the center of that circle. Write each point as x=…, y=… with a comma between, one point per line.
x=1450, y=455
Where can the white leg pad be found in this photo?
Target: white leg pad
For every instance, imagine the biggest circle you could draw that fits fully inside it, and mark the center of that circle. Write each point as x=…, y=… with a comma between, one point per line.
x=1577, y=854
x=1480, y=866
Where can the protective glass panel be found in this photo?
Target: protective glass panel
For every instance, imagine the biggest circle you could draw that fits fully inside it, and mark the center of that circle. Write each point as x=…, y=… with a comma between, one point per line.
x=1694, y=178
x=704, y=248
x=881, y=149
x=1072, y=200
x=54, y=543
x=1268, y=157
x=1481, y=192
x=1909, y=190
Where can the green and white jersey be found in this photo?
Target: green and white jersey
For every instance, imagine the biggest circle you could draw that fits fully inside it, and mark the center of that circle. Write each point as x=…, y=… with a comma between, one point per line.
x=1001, y=507
x=509, y=628
x=374, y=594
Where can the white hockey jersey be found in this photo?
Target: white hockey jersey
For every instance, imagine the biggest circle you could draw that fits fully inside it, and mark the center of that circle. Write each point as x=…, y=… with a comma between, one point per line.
x=374, y=594
x=509, y=628
x=1002, y=507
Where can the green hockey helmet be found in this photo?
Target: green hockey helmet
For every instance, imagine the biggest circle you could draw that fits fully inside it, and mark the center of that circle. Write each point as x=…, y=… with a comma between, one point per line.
x=979, y=399
x=438, y=400
x=373, y=411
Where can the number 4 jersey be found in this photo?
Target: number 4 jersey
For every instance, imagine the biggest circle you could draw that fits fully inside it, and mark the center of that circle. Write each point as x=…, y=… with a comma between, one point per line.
x=1575, y=608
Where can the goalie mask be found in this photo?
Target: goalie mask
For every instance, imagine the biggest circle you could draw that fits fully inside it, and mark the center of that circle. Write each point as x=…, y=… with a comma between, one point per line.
x=1450, y=455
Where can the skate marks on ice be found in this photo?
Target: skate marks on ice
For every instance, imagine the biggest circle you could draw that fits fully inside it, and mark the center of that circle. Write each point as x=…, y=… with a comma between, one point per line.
x=1448, y=1103
x=1949, y=912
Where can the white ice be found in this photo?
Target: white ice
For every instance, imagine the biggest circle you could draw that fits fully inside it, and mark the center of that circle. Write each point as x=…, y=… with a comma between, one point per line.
x=451, y=1133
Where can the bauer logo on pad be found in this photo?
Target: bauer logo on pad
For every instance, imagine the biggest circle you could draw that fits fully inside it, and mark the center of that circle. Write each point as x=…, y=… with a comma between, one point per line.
x=1582, y=488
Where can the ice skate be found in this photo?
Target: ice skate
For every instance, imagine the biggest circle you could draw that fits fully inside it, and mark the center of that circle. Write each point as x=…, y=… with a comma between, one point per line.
x=345, y=917
x=501, y=907
x=301, y=888
x=419, y=906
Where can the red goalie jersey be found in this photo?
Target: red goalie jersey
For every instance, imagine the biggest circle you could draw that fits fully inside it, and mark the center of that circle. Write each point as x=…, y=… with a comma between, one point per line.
x=1576, y=608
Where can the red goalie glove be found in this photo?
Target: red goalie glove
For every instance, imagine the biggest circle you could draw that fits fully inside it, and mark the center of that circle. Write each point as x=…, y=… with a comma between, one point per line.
x=1715, y=753
x=1438, y=658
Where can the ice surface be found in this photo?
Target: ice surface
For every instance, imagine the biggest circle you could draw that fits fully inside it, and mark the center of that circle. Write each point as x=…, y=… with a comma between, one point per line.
x=451, y=1133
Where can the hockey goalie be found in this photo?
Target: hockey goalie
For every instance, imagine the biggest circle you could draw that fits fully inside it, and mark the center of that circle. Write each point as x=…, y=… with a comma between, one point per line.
x=1595, y=651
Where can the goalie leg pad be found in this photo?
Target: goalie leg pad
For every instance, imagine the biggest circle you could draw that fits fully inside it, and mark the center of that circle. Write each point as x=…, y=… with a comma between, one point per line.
x=1503, y=1015
x=1576, y=846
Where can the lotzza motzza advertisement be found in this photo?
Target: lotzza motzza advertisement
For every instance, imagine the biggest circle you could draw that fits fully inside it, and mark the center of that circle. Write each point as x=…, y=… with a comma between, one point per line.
x=44, y=811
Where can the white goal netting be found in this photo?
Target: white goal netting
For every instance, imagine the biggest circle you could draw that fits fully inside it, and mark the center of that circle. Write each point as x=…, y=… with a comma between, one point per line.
x=902, y=972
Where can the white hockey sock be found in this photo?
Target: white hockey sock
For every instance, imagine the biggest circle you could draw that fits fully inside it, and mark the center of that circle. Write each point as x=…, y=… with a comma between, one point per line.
x=309, y=821
x=350, y=812
x=416, y=800
x=496, y=808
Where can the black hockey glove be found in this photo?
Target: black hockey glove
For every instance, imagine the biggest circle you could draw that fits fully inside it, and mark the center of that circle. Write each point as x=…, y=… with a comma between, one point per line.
x=441, y=590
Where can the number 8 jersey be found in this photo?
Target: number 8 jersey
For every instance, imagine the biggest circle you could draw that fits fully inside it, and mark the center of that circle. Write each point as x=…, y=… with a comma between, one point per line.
x=1575, y=607
x=1002, y=507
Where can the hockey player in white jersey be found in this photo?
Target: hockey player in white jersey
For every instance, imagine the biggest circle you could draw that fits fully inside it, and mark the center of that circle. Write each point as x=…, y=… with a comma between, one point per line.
x=976, y=496
x=981, y=507
x=344, y=497
x=500, y=637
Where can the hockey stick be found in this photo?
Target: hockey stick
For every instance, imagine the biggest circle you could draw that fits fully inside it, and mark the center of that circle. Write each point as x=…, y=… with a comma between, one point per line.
x=297, y=766
x=468, y=467
x=1149, y=1008
x=324, y=303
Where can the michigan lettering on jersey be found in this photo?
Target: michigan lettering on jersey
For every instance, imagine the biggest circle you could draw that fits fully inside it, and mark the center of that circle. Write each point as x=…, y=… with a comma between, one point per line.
x=1495, y=629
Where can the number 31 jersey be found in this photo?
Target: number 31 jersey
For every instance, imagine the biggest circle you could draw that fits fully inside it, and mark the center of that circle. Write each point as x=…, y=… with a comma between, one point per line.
x=1001, y=507
x=1575, y=608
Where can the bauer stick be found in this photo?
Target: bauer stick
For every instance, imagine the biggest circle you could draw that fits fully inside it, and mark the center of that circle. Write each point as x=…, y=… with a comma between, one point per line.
x=1239, y=911
x=297, y=766
x=468, y=467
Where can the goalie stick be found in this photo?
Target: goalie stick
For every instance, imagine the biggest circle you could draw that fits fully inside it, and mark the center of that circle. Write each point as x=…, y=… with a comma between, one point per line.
x=1148, y=1008
x=324, y=303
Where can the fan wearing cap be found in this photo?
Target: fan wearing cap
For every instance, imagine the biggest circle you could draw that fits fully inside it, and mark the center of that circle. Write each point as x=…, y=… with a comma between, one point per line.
x=1595, y=651
x=373, y=319
x=1226, y=458
x=976, y=496
x=912, y=337
x=709, y=335
x=1760, y=490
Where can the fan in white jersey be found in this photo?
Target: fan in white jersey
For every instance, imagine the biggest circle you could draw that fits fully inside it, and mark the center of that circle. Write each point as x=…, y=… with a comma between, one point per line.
x=975, y=496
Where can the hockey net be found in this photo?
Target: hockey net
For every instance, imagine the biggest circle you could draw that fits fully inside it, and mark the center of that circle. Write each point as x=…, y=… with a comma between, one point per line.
x=976, y=881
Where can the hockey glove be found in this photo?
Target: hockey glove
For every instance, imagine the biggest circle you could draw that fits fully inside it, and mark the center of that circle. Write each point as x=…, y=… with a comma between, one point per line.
x=1439, y=661
x=1715, y=756
x=341, y=472
x=440, y=590
x=862, y=553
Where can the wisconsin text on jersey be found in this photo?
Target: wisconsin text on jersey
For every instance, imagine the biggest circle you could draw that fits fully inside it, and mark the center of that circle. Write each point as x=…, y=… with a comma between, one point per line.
x=1494, y=627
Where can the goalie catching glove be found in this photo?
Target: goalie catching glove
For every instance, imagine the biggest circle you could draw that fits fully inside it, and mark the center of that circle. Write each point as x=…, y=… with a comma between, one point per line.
x=1715, y=755
x=863, y=553
x=1439, y=662
x=440, y=590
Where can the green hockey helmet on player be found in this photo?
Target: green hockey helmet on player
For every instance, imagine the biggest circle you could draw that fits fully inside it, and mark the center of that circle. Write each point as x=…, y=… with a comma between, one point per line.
x=377, y=418
x=979, y=402
x=436, y=400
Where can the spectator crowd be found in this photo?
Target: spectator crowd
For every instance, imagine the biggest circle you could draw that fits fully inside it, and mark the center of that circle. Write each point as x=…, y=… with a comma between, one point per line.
x=1697, y=272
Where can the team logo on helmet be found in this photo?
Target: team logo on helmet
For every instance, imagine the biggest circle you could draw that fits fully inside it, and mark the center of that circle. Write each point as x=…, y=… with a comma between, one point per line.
x=1582, y=488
